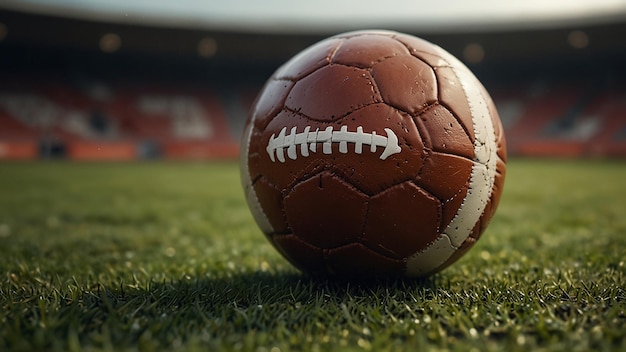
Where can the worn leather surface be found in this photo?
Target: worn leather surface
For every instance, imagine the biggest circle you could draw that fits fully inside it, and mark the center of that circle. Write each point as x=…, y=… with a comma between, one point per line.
x=347, y=210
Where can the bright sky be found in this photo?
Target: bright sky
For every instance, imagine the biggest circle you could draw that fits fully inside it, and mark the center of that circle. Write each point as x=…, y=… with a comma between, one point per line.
x=281, y=15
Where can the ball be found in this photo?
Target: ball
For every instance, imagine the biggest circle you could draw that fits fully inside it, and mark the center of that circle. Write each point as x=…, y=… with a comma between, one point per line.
x=373, y=154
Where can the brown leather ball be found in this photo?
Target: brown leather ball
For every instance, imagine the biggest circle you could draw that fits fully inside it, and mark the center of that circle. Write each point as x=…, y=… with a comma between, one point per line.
x=373, y=153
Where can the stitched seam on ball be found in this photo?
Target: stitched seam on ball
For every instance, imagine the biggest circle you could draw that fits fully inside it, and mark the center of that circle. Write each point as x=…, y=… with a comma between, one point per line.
x=288, y=228
x=458, y=120
x=450, y=110
x=421, y=187
x=332, y=53
x=412, y=52
x=336, y=173
x=439, y=103
x=252, y=191
x=300, y=143
x=268, y=119
x=336, y=118
x=376, y=96
x=427, y=249
x=463, y=204
x=489, y=138
x=369, y=67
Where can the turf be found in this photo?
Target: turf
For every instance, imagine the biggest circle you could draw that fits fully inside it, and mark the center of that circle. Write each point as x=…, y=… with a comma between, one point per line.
x=165, y=256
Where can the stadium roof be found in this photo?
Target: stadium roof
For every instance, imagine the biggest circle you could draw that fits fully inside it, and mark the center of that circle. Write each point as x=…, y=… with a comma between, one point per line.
x=253, y=36
x=280, y=16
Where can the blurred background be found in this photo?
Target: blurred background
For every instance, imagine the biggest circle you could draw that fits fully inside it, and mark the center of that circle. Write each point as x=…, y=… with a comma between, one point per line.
x=146, y=79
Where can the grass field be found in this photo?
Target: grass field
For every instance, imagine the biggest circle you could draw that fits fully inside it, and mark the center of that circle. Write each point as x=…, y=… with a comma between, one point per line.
x=165, y=256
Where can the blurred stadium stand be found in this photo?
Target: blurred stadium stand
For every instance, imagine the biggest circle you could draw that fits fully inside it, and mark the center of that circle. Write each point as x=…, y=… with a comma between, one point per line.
x=96, y=90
